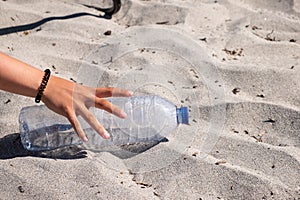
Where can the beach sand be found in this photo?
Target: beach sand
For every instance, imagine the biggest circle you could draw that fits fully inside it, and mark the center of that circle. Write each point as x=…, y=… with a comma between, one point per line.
x=235, y=64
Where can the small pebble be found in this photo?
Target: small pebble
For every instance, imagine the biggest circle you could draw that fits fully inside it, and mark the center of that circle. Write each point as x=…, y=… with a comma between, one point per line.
x=107, y=32
x=21, y=189
x=220, y=162
x=236, y=90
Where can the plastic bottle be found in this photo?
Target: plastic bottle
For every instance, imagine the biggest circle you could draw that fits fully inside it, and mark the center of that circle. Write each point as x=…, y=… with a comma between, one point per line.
x=149, y=118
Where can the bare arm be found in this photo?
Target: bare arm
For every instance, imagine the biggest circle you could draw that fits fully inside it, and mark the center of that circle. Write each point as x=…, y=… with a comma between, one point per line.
x=18, y=77
x=59, y=96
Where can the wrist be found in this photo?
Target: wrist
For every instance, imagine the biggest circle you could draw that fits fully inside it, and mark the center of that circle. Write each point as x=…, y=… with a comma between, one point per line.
x=56, y=86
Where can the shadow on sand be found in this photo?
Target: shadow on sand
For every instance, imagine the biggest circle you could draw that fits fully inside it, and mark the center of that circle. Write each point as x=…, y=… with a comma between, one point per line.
x=11, y=147
x=108, y=14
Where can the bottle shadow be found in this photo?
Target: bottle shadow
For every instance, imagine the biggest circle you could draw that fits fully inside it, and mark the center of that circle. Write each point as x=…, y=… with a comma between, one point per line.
x=11, y=147
x=130, y=150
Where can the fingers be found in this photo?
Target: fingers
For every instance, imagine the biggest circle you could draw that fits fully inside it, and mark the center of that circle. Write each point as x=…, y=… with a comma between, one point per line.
x=93, y=122
x=77, y=127
x=109, y=107
x=115, y=92
x=101, y=104
x=106, y=105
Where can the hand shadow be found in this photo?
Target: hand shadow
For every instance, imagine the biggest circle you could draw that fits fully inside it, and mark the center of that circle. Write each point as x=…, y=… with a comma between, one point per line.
x=11, y=147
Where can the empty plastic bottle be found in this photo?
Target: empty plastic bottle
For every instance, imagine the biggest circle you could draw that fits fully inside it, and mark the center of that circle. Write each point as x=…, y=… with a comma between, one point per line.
x=149, y=118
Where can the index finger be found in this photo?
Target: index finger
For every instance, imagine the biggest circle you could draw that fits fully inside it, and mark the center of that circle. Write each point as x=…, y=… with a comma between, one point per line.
x=112, y=92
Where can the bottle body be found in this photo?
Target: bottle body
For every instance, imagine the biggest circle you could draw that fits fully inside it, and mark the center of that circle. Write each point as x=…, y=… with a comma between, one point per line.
x=149, y=118
x=42, y=129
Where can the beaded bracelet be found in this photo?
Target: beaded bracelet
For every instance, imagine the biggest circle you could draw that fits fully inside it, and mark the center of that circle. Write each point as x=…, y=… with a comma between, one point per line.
x=43, y=86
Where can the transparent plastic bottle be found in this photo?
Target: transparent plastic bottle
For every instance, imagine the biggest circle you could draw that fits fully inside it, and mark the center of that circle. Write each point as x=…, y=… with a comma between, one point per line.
x=149, y=118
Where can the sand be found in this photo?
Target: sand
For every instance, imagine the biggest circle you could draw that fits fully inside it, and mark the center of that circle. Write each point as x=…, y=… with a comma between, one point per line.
x=235, y=64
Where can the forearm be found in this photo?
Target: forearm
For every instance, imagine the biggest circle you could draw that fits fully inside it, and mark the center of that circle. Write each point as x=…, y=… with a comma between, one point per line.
x=18, y=77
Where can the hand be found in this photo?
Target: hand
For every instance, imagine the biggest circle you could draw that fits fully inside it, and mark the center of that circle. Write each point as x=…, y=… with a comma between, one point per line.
x=71, y=100
x=61, y=96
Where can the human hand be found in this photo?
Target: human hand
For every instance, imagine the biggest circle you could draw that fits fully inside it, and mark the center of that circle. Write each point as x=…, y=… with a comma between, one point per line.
x=61, y=97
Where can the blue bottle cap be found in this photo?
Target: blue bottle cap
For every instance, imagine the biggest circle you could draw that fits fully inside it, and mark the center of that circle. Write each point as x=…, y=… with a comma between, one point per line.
x=182, y=115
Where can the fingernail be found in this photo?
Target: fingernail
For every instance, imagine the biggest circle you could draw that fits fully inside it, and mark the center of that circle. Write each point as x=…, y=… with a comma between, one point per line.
x=123, y=114
x=106, y=135
x=130, y=93
x=85, y=139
